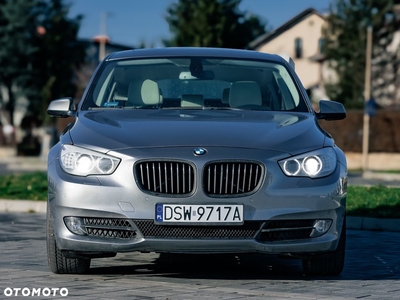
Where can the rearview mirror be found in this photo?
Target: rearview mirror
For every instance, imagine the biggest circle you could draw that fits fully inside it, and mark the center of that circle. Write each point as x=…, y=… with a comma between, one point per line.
x=331, y=110
x=61, y=108
x=207, y=75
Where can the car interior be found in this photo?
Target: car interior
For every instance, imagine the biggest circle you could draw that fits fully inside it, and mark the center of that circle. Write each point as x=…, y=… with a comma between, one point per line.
x=195, y=84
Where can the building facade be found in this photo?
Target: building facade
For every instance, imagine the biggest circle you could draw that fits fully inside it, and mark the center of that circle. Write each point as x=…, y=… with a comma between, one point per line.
x=301, y=39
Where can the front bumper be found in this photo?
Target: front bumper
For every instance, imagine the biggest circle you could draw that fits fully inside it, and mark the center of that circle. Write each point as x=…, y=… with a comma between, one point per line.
x=280, y=199
x=259, y=242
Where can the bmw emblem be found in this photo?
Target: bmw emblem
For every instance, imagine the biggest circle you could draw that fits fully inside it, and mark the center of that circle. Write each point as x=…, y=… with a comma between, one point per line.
x=199, y=151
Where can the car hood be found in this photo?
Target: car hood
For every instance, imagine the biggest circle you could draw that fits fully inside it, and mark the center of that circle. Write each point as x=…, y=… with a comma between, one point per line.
x=121, y=129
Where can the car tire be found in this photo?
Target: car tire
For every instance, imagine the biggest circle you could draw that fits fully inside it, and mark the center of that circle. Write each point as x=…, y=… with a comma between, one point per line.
x=329, y=264
x=58, y=263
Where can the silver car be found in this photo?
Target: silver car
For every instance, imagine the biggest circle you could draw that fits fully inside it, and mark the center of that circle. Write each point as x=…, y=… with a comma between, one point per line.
x=196, y=150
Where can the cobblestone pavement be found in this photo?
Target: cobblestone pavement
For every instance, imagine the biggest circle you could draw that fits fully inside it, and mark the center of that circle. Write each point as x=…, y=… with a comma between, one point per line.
x=372, y=271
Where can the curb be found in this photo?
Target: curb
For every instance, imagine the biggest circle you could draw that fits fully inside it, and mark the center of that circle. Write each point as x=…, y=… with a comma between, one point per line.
x=373, y=224
x=356, y=223
x=24, y=206
x=381, y=176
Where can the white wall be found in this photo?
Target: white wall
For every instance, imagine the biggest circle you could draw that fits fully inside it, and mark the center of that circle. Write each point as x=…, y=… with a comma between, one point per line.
x=310, y=31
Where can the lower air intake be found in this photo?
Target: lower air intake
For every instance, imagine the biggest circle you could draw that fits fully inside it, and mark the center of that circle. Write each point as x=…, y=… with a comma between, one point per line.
x=150, y=230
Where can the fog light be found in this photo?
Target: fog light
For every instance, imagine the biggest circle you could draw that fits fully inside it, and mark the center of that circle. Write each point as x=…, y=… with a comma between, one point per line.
x=75, y=225
x=320, y=227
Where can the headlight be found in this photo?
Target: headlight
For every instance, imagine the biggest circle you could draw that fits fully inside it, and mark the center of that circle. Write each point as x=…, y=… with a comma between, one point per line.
x=314, y=164
x=82, y=162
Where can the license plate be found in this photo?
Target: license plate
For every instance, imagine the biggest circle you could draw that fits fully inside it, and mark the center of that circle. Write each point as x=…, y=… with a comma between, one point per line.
x=227, y=214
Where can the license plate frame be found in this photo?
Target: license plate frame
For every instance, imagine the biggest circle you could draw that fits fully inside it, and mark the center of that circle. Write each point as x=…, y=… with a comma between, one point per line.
x=199, y=214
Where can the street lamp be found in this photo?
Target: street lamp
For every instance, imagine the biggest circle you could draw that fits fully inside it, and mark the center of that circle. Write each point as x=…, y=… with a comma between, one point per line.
x=102, y=39
x=367, y=97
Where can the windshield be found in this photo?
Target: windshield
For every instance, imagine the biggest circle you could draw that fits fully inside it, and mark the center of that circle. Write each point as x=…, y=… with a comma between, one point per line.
x=194, y=83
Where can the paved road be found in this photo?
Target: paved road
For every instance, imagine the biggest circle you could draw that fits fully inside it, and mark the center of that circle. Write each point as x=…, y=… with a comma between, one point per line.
x=372, y=271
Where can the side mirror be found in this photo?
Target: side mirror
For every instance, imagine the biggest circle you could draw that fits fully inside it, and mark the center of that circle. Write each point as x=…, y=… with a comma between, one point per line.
x=61, y=108
x=331, y=110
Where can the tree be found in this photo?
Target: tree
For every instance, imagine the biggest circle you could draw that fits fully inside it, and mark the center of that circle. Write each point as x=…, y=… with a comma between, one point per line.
x=17, y=19
x=345, y=48
x=212, y=23
x=60, y=55
x=38, y=54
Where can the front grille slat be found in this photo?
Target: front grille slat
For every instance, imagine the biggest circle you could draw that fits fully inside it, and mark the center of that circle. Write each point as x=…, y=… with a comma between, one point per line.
x=165, y=177
x=244, y=179
x=172, y=179
x=221, y=179
x=238, y=178
x=232, y=178
x=148, y=175
x=226, y=181
x=159, y=176
x=154, y=177
x=215, y=178
x=184, y=176
x=190, y=180
x=177, y=179
x=141, y=173
x=257, y=173
x=209, y=177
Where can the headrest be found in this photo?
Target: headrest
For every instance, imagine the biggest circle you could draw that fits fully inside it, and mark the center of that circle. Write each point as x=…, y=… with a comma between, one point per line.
x=245, y=93
x=225, y=96
x=192, y=100
x=142, y=93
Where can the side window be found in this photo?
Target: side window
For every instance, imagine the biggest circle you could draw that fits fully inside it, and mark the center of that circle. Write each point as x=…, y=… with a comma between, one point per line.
x=321, y=45
x=288, y=95
x=287, y=99
x=298, y=47
x=104, y=87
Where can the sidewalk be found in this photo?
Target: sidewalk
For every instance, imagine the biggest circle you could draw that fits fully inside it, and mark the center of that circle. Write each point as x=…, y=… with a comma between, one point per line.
x=12, y=164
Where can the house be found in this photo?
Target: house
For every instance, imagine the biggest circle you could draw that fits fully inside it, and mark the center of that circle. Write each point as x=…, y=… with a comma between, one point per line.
x=301, y=39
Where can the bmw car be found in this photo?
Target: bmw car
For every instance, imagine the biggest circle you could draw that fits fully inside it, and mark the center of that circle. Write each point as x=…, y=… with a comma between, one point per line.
x=196, y=151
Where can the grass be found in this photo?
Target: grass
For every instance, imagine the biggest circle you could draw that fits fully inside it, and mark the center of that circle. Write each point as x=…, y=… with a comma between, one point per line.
x=30, y=186
x=376, y=201
x=359, y=171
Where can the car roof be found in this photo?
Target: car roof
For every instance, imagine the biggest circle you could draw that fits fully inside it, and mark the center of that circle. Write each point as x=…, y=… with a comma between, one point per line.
x=195, y=51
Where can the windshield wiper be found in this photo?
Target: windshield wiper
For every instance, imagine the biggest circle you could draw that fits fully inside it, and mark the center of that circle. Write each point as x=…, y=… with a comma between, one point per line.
x=221, y=108
x=105, y=107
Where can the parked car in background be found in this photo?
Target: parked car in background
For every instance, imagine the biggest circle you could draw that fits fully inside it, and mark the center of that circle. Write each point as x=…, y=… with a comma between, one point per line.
x=196, y=150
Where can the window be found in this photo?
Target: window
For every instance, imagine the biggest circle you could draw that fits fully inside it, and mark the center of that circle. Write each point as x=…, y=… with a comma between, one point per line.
x=321, y=45
x=167, y=82
x=298, y=46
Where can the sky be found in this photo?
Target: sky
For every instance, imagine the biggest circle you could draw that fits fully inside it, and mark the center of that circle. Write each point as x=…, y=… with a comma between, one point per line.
x=131, y=22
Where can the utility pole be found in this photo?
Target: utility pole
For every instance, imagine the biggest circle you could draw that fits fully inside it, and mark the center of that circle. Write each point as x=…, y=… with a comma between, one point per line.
x=367, y=97
x=102, y=39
